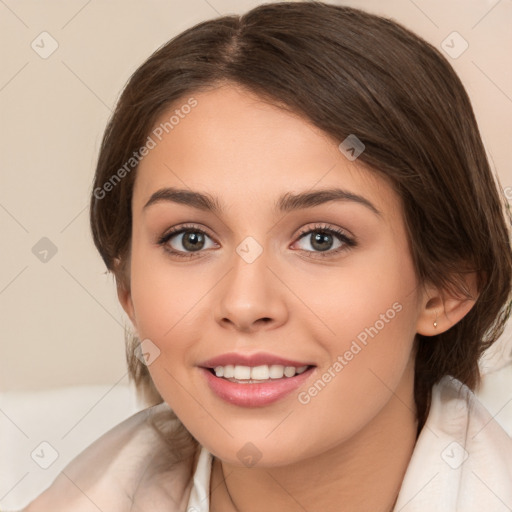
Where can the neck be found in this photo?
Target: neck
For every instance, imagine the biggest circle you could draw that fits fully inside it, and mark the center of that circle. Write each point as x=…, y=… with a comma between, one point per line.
x=364, y=473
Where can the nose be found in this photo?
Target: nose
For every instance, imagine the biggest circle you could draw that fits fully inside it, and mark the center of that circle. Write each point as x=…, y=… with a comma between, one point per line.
x=251, y=297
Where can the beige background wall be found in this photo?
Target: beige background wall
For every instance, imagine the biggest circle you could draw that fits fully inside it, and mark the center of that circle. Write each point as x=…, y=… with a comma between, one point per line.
x=60, y=320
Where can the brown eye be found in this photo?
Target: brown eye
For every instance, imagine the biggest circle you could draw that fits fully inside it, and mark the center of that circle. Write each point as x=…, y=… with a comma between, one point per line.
x=184, y=241
x=193, y=241
x=323, y=239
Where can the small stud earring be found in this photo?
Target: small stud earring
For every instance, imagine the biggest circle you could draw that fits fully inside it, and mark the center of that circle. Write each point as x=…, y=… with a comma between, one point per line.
x=435, y=321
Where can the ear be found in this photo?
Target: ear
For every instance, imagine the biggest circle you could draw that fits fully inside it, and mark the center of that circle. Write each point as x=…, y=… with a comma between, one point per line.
x=443, y=308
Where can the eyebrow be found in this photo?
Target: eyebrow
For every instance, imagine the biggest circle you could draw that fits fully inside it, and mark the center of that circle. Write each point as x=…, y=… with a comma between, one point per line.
x=286, y=203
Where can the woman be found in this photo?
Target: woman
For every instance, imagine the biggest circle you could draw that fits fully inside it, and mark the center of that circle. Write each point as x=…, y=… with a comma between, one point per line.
x=309, y=242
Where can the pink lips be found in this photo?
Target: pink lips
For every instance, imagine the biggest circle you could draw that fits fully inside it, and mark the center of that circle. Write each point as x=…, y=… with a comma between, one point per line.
x=254, y=394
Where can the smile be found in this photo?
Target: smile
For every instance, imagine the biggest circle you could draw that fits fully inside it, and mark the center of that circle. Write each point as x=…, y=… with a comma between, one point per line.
x=244, y=374
x=239, y=386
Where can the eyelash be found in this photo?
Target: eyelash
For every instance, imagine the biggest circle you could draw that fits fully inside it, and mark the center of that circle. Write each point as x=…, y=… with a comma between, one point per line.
x=339, y=233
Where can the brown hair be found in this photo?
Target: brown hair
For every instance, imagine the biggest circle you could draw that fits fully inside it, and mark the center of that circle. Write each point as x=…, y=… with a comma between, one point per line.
x=347, y=72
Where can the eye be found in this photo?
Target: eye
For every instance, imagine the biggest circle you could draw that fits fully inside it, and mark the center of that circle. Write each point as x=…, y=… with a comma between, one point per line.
x=321, y=238
x=184, y=241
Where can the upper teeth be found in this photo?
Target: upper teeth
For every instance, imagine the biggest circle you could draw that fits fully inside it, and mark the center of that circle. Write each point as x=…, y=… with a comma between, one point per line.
x=263, y=372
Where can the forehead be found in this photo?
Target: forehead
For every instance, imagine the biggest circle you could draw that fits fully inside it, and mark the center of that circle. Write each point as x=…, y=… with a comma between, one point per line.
x=236, y=147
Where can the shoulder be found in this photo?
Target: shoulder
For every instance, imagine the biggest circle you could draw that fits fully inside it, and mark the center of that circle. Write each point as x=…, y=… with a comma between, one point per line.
x=462, y=459
x=133, y=465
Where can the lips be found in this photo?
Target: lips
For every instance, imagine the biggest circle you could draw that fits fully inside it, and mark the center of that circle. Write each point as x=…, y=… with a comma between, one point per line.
x=258, y=359
x=260, y=394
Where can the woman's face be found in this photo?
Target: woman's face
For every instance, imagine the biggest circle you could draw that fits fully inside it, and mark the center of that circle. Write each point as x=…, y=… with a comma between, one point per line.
x=263, y=274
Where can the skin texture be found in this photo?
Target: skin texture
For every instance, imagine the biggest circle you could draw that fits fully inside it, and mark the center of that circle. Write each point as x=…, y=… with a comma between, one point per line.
x=349, y=446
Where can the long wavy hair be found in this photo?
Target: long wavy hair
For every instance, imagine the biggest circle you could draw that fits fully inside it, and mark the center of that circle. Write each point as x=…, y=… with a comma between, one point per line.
x=347, y=72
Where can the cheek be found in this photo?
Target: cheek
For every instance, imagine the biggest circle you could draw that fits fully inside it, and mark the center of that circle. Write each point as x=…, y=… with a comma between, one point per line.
x=364, y=317
x=166, y=300
x=373, y=296
x=367, y=333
